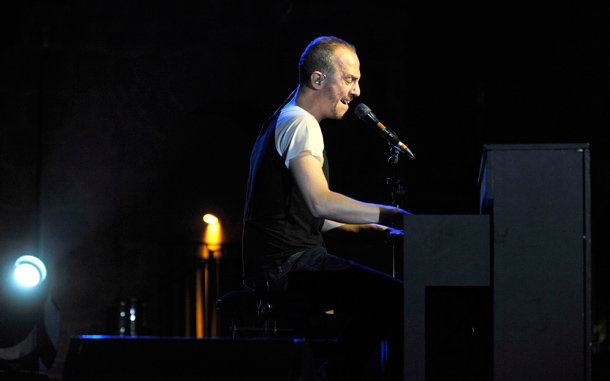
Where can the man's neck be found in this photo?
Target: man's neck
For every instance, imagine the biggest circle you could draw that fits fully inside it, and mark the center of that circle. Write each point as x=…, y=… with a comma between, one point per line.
x=308, y=101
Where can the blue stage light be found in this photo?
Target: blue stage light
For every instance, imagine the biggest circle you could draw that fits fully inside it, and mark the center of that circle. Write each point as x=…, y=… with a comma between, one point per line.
x=29, y=271
x=30, y=320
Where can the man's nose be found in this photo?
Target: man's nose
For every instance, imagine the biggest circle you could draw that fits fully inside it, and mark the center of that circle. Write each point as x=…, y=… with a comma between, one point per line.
x=355, y=91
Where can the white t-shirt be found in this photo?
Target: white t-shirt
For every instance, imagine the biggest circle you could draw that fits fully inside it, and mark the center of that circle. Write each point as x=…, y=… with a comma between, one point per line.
x=297, y=131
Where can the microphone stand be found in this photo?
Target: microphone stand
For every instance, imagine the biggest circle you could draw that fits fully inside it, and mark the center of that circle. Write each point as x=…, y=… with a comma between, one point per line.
x=398, y=193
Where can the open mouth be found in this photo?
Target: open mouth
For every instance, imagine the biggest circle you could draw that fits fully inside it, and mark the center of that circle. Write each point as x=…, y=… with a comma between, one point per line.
x=345, y=101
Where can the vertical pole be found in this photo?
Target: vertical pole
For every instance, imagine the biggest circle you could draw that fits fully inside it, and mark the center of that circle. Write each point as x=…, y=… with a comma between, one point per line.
x=198, y=303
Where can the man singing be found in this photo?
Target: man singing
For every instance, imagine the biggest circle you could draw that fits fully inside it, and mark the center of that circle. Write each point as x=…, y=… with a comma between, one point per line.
x=289, y=207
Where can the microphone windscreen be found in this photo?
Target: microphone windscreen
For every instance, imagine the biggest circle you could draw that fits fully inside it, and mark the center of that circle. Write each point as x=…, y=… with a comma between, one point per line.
x=363, y=111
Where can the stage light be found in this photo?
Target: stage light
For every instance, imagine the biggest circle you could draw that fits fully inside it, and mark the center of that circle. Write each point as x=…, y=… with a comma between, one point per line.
x=210, y=253
x=29, y=333
x=29, y=271
x=210, y=219
x=213, y=233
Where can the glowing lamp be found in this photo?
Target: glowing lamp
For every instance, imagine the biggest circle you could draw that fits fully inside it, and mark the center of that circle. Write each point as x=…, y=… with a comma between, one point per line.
x=29, y=271
x=213, y=233
x=29, y=333
x=210, y=219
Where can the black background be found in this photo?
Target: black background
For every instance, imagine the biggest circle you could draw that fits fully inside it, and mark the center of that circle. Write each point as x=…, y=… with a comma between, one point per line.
x=123, y=122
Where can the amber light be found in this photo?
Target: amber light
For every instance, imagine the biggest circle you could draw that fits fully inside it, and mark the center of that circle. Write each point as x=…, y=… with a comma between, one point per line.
x=213, y=232
x=210, y=219
x=210, y=253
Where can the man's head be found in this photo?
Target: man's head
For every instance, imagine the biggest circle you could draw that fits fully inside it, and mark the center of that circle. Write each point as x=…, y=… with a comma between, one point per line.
x=329, y=67
x=319, y=55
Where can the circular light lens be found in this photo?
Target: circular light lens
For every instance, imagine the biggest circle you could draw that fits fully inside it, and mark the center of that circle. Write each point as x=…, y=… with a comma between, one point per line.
x=29, y=271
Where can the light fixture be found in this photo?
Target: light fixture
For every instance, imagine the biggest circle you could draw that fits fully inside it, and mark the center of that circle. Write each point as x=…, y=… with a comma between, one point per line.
x=210, y=219
x=213, y=233
x=210, y=252
x=29, y=333
x=29, y=271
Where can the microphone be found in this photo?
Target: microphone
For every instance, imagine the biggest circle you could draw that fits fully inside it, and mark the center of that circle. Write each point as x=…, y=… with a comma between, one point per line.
x=364, y=112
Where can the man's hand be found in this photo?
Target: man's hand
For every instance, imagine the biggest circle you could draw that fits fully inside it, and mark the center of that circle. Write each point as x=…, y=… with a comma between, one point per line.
x=394, y=236
x=392, y=216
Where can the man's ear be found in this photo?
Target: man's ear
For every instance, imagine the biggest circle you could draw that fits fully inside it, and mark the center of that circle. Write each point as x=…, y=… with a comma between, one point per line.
x=316, y=79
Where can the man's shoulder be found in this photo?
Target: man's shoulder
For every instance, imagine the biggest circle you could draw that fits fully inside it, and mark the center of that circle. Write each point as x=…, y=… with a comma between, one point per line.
x=293, y=111
x=295, y=117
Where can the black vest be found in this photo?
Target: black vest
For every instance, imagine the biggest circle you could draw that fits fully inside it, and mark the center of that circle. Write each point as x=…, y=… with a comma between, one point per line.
x=277, y=222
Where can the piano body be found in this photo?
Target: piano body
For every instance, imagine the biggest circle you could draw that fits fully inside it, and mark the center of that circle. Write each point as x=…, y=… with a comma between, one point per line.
x=506, y=294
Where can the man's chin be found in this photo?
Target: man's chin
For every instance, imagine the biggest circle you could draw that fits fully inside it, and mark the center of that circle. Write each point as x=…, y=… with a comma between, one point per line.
x=340, y=113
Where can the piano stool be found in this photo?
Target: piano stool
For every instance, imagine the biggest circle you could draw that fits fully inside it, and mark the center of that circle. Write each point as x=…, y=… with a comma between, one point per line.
x=250, y=314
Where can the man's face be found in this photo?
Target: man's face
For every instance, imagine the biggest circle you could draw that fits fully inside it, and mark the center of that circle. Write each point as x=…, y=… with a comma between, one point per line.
x=343, y=86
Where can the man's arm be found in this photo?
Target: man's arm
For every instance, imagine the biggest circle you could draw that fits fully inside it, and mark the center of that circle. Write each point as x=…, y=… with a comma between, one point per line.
x=324, y=203
x=374, y=232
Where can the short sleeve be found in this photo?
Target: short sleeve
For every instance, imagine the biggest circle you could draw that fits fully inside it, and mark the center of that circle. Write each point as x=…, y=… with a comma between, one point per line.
x=298, y=131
